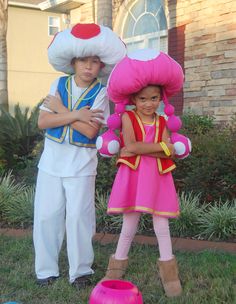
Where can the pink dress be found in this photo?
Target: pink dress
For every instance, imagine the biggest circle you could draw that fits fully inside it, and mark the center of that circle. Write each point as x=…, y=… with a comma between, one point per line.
x=144, y=189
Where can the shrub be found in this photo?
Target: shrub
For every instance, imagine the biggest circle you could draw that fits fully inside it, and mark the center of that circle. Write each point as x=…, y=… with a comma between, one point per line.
x=106, y=171
x=190, y=212
x=196, y=124
x=219, y=221
x=15, y=202
x=210, y=169
x=18, y=134
x=19, y=212
x=105, y=222
x=26, y=172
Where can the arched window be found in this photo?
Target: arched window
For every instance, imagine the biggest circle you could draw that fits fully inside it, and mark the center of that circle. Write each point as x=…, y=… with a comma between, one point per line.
x=145, y=25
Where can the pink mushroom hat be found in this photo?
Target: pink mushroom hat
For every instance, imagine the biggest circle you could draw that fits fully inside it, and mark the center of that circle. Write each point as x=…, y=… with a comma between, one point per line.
x=84, y=40
x=140, y=69
x=133, y=73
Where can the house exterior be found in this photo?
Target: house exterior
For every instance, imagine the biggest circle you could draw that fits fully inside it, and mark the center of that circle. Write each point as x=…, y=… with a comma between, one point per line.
x=200, y=35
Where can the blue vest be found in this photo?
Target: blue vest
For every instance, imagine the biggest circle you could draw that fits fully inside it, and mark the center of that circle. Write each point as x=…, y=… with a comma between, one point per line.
x=58, y=134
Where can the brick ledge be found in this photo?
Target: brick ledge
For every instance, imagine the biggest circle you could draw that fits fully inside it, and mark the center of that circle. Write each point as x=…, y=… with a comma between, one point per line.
x=179, y=244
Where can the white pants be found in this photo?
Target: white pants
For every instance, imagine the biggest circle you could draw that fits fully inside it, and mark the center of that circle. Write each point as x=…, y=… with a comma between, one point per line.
x=64, y=203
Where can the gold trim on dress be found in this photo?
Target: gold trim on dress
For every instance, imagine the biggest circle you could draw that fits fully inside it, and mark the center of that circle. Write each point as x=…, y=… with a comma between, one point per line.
x=126, y=162
x=166, y=170
x=142, y=209
x=140, y=123
x=157, y=129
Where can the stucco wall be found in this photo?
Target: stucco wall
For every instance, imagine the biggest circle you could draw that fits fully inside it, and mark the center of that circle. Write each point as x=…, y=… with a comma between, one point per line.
x=29, y=73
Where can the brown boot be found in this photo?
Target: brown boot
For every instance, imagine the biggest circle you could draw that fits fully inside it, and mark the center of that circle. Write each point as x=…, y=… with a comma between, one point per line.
x=115, y=269
x=169, y=277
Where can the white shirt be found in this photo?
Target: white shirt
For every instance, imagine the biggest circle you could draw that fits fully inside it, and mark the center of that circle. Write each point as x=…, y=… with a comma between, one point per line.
x=66, y=160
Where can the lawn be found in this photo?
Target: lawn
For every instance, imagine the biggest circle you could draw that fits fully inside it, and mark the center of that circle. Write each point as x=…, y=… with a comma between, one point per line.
x=208, y=277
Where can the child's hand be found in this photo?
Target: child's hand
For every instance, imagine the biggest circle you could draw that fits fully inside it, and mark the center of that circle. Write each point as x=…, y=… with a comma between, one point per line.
x=91, y=117
x=54, y=103
x=125, y=153
x=171, y=149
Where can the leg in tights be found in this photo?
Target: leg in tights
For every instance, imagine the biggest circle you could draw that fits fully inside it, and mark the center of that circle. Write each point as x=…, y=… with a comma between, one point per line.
x=162, y=231
x=128, y=231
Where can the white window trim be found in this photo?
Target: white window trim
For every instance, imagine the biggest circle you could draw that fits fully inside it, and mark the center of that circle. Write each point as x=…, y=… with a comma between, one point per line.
x=146, y=36
x=49, y=26
x=121, y=19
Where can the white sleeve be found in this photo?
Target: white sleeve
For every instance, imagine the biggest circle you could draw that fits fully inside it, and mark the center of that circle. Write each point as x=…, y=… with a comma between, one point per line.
x=102, y=102
x=52, y=91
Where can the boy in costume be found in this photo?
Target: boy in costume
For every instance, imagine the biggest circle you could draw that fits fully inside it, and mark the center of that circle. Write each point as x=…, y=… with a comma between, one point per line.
x=64, y=199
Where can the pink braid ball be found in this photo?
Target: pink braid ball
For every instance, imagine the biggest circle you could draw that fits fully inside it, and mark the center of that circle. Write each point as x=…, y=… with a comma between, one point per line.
x=169, y=109
x=182, y=145
x=114, y=121
x=108, y=144
x=174, y=123
x=120, y=108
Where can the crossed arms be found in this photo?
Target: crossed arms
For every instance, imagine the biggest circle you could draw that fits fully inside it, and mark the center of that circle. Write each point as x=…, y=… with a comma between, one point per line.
x=133, y=147
x=84, y=120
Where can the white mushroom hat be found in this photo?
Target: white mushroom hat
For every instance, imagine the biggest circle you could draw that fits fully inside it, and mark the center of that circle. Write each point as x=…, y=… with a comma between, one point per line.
x=84, y=40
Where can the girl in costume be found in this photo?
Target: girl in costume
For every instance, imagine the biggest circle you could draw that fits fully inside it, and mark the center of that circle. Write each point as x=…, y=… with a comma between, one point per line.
x=144, y=183
x=67, y=167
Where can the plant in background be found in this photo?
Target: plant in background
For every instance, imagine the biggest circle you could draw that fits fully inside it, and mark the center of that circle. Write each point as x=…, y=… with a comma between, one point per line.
x=28, y=172
x=16, y=202
x=190, y=212
x=18, y=134
x=106, y=173
x=105, y=222
x=19, y=211
x=197, y=124
x=211, y=165
x=113, y=223
x=219, y=221
x=8, y=190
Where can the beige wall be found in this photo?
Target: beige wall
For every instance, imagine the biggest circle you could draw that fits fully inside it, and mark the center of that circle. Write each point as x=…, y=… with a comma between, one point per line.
x=29, y=73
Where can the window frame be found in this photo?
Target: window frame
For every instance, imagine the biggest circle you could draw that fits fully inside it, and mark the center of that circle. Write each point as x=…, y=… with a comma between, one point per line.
x=52, y=26
x=144, y=39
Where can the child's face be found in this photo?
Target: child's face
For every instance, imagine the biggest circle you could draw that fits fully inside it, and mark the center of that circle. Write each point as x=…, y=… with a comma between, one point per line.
x=86, y=69
x=147, y=100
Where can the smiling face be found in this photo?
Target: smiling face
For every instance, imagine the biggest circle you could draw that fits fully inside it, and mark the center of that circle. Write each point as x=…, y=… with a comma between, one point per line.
x=147, y=101
x=86, y=69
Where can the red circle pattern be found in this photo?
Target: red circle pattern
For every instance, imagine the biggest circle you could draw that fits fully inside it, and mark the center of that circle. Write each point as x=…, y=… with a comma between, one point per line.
x=85, y=30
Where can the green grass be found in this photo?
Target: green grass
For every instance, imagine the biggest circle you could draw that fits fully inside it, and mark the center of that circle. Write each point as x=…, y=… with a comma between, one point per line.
x=208, y=277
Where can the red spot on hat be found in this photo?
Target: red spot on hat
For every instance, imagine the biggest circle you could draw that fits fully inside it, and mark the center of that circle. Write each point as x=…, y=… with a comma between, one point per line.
x=85, y=31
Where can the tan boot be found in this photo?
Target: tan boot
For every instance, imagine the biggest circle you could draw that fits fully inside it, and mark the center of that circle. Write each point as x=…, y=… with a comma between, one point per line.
x=115, y=269
x=169, y=277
